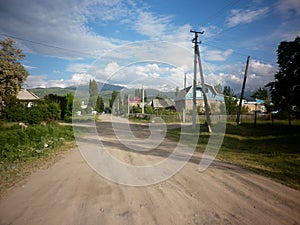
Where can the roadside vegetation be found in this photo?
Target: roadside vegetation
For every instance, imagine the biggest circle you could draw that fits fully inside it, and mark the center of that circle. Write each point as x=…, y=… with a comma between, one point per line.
x=269, y=150
x=22, y=150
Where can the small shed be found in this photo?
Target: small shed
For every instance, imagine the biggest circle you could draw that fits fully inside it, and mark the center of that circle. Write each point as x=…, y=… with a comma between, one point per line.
x=25, y=95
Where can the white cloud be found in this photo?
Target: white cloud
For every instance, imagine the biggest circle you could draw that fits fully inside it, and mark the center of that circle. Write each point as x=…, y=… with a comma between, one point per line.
x=286, y=6
x=239, y=16
x=29, y=67
x=262, y=69
x=165, y=77
x=78, y=68
x=36, y=81
x=152, y=26
x=217, y=55
x=56, y=23
x=43, y=81
x=80, y=79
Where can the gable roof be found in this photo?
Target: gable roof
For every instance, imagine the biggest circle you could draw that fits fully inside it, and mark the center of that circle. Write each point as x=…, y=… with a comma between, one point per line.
x=211, y=93
x=26, y=95
x=162, y=103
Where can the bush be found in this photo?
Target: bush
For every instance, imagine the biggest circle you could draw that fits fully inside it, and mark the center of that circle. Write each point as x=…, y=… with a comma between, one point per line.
x=34, y=115
x=19, y=145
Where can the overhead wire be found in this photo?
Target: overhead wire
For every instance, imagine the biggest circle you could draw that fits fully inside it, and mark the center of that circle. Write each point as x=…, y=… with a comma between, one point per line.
x=215, y=16
x=47, y=45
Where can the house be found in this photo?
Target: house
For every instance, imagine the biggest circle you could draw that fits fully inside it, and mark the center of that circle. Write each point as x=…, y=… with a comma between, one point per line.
x=162, y=103
x=257, y=105
x=184, y=99
x=134, y=101
x=27, y=96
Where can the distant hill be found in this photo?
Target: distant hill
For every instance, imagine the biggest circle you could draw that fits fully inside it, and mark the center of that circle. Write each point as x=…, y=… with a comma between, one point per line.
x=81, y=90
x=104, y=89
x=41, y=92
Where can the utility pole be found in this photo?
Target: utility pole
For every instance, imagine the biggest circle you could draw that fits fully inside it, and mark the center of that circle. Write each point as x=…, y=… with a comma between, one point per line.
x=184, y=83
x=242, y=93
x=203, y=86
x=143, y=101
x=128, y=106
x=194, y=118
x=184, y=90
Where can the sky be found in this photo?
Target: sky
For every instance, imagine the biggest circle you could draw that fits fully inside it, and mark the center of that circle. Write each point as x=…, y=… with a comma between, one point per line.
x=133, y=43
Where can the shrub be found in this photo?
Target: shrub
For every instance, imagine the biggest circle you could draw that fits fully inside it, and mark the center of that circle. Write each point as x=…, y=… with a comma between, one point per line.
x=19, y=145
x=34, y=115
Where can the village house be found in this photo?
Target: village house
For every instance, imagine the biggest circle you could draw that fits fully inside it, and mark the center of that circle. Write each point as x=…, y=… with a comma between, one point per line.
x=134, y=101
x=257, y=105
x=184, y=99
x=162, y=103
x=27, y=96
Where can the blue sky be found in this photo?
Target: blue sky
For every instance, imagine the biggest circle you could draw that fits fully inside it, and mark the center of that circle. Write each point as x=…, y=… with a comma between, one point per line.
x=148, y=42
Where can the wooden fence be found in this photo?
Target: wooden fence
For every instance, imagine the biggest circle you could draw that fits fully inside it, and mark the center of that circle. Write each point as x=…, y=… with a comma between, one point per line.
x=201, y=118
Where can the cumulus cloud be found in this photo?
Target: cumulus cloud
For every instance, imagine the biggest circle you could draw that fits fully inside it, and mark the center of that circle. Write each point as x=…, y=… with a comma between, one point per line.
x=217, y=55
x=55, y=28
x=78, y=68
x=239, y=16
x=151, y=25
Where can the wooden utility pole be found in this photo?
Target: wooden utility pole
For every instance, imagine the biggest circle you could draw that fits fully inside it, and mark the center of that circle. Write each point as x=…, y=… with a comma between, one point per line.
x=143, y=101
x=203, y=86
x=184, y=89
x=194, y=119
x=242, y=93
x=184, y=83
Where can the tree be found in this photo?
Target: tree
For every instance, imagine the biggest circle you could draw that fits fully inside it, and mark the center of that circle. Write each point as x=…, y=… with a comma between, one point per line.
x=285, y=88
x=12, y=72
x=93, y=91
x=99, y=104
x=261, y=93
x=176, y=91
x=65, y=103
x=218, y=88
x=145, y=96
x=138, y=93
x=231, y=102
x=114, y=96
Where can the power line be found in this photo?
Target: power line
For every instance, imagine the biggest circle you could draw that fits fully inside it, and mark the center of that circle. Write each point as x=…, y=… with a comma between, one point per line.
x=242, y=54
x=47, y=45
x=220, y=11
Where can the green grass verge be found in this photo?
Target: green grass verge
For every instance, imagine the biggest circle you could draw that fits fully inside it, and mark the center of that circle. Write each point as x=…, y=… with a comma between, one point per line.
x=23, y=151
x=269, y=150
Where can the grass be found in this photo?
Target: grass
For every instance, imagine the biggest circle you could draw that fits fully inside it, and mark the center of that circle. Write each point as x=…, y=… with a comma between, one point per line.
x=269, y=150
x=24, y=151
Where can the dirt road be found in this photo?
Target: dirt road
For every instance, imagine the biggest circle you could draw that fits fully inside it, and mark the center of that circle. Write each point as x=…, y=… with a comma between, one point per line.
x=70, y=192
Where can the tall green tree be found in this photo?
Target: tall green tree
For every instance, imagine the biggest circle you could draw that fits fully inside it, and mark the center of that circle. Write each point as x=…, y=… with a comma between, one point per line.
x=231, y=102
x=138, y=93
x=114, y=97
x=12, y=72
x=261, y=93
x=285, y=89
x=93, y=91
x=99, y=104
x=218, y=88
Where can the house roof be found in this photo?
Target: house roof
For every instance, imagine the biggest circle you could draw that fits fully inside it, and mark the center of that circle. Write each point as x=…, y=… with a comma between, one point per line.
x=211, y=93
x=26, y=95
x=162, y=103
